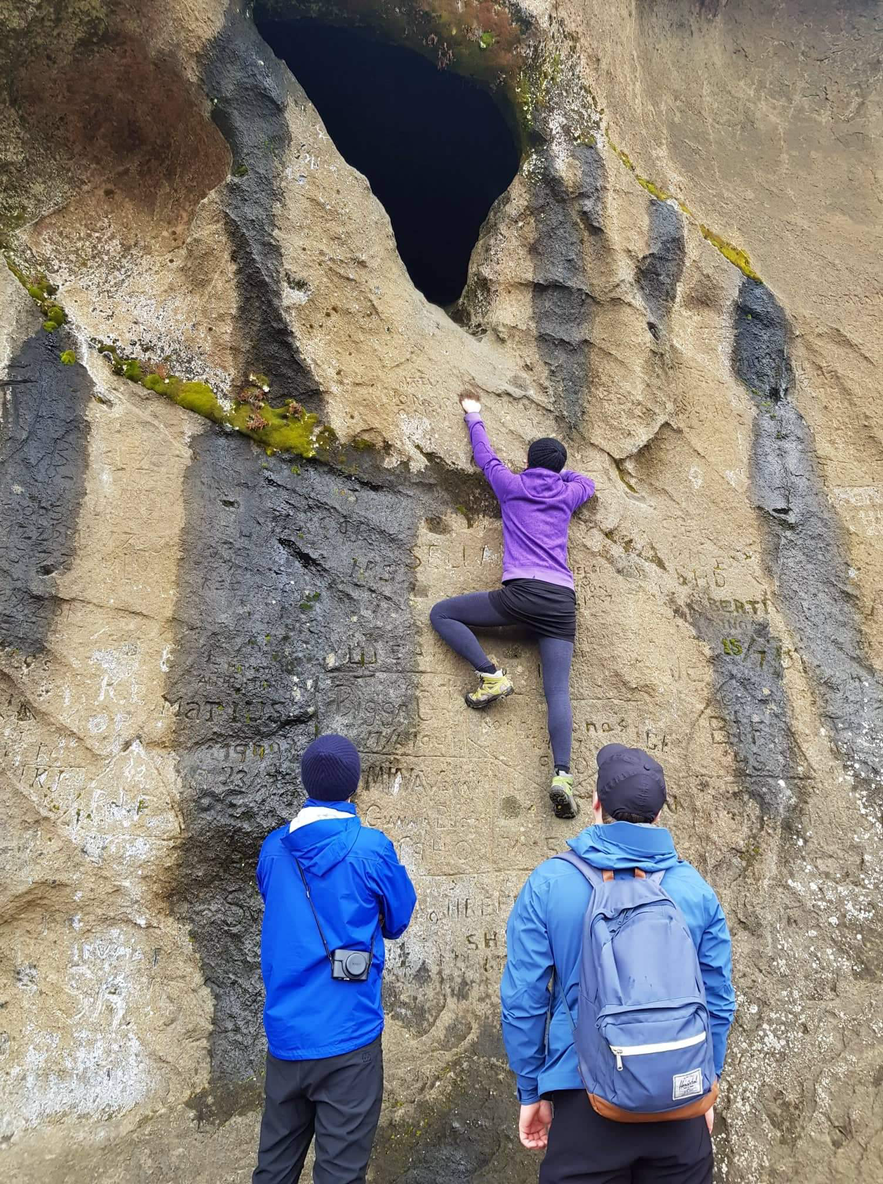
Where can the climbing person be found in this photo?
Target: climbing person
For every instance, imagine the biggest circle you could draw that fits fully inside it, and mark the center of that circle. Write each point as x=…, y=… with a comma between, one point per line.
x=537, y=591
x=333, y=890
x=617, y=996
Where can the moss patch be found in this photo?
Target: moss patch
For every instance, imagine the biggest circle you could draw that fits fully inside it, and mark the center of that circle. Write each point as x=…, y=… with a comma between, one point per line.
x=734, y=254
x=41, y=292
x=652, y=188
x=534, y=85
x=289, y=429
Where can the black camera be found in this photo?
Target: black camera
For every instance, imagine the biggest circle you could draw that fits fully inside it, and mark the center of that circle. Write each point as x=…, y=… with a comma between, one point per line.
x=351, y=966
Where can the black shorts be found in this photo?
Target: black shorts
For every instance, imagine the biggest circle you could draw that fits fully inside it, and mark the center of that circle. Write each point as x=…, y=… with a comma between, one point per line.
x=546, y=609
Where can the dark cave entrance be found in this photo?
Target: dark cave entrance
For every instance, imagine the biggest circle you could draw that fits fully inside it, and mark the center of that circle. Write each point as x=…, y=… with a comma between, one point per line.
x=435, y=147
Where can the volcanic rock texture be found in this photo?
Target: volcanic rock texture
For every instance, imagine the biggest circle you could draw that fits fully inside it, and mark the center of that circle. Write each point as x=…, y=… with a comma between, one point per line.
x=235, y=478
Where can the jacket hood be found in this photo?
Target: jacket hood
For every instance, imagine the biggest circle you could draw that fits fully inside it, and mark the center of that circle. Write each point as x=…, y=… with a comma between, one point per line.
x=543, y=483
x=626, y=845
x=321, y=844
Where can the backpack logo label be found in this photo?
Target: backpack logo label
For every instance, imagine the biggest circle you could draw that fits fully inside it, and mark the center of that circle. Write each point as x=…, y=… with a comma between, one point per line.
x=686, y=1085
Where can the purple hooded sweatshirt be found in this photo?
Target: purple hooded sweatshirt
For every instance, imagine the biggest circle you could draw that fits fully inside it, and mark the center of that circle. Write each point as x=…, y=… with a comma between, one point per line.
x=537, y=506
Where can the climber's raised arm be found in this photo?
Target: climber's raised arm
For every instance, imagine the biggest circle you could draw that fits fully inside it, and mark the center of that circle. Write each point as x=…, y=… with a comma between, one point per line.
x=499, y=477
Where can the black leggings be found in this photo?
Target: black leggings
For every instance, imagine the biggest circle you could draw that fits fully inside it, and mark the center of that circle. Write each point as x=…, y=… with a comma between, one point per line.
x=451, y=620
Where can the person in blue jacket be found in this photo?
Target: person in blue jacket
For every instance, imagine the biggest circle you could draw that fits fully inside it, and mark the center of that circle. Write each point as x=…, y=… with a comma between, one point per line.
x=333, y=891
x=544, y=934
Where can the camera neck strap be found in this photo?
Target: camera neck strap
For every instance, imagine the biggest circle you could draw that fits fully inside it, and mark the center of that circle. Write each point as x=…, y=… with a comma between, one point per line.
x=328, y=953
x=315, y=914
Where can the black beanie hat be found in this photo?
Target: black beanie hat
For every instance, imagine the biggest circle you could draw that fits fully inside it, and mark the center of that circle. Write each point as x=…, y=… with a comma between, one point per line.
x=630, y=781
x=547, y=453
x=330, y=768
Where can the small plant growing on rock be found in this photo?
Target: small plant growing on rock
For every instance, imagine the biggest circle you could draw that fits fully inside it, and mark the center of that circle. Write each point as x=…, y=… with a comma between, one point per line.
x=256, y=422
x=68, y=358
x=253, y=396
x=295, y=410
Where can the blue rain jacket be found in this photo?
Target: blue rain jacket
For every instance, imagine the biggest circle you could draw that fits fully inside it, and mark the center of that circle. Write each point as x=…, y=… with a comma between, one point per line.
x=545, y=930
x=355, y=879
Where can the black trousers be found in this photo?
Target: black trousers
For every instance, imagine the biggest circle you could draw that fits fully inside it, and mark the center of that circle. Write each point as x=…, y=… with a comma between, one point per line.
x=585, y=1148
x=337, y=1099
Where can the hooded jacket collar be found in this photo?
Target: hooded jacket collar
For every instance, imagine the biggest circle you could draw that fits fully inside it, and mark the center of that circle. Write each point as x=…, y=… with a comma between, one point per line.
x=315, y=804
x=625, y=845
x=315, y=814
x=323, y=834
x=542, y=482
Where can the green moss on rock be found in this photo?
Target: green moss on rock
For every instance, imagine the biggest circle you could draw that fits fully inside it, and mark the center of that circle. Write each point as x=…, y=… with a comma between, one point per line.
x=41, y=291
x=277, y=429
x=652, y=188
x=734, y=254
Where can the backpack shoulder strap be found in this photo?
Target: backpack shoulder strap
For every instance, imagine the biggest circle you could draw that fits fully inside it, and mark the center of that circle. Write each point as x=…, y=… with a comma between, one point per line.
x=597, y=875
x=594, y=875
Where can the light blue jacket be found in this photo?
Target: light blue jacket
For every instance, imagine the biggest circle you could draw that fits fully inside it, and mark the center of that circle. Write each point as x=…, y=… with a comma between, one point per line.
x=545, y=931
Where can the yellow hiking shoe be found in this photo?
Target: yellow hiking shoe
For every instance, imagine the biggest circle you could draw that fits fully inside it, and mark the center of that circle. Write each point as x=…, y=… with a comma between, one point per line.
x=491, y=688
x=564, y=803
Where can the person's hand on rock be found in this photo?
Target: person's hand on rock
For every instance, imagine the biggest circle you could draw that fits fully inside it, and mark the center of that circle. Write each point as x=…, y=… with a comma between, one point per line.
x=469, y=403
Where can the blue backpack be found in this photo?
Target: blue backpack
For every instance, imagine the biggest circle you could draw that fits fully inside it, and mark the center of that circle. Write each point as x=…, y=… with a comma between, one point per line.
x=642, y=1035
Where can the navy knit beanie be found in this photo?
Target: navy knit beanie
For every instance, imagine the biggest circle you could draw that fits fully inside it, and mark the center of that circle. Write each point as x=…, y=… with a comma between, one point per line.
x=547, y=453
x=330, y=768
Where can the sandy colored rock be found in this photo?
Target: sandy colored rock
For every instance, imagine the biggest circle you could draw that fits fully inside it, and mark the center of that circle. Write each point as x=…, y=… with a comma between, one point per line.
x=183, y=607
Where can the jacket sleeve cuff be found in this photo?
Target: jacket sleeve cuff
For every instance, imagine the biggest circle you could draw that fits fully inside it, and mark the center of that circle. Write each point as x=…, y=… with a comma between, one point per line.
x=472, y=416
x=527, y=1090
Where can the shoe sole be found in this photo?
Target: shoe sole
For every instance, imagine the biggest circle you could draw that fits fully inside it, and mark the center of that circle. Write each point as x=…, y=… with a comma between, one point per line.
x=563, y=803
x=487, y=702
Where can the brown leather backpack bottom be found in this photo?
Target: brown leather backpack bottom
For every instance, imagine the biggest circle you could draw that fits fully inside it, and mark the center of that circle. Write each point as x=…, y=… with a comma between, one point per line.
x=608, y=1110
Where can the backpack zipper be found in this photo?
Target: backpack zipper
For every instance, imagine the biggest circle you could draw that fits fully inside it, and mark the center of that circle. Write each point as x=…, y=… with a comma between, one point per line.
x=639, y=1050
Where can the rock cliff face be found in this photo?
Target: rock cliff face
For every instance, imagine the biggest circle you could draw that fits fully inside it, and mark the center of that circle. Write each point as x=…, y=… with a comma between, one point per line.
x=235, y=479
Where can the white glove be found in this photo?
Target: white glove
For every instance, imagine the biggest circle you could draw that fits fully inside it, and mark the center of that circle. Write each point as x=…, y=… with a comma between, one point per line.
x=470, y=405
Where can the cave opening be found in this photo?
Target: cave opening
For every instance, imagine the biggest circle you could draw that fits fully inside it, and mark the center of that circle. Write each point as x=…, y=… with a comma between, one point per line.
x=435, y=146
